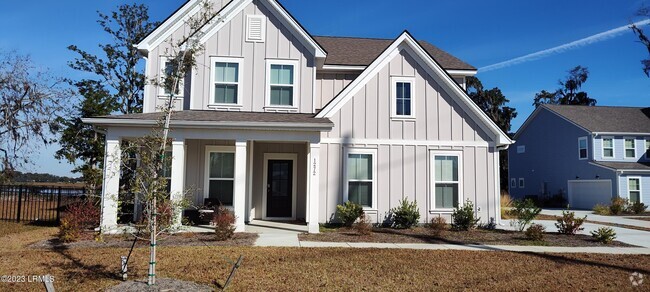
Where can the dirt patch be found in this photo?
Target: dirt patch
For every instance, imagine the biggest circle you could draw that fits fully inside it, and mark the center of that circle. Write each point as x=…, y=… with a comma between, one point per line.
x=161, y=285
x=179, y=239
x=478, y=236
x=644, y=218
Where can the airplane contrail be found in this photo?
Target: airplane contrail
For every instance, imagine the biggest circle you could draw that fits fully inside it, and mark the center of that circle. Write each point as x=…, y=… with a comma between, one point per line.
x=562, y=48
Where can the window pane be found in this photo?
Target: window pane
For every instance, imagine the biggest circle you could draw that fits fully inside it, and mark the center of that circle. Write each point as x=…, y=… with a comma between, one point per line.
x=446, y=168
x=400, y=90
x=222, y=165
x=607, y=143
x=629, y=143
x=446, y=196
x=281, y=95
x=583, y=143
x=634, y=184
x=407, y=107
x=360, y=193
x=167, y=165
x=629, y=153
x=407, y=90
x=281, y=74
x=635, y=197
x=221, y=190
x=583, y=153
x=227, y=72
x=360, y=166
x=608, y=153
x=225, y=93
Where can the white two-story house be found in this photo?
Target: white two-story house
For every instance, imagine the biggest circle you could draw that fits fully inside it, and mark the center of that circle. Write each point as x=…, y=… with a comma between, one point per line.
x=589, y=154
x=283, y=125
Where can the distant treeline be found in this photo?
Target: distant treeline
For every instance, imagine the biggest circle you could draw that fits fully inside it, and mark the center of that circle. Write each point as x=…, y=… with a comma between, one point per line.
x=28, y=177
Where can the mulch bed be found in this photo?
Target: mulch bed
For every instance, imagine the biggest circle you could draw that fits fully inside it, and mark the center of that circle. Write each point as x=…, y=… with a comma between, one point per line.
x=126, y=240
x=477, y=237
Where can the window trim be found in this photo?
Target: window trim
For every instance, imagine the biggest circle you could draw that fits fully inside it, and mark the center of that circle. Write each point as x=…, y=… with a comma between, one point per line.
x=625, y=148
x=602, y=147
x=522, y=183
x=585, y=138
x=240, y=78
x=640, y=187
x=393, y=97
x=513, y=183
x=161, y=90
x=373, y=153
x=247, y=26
x=296, y=82
x=206, y=173
x=432, y=179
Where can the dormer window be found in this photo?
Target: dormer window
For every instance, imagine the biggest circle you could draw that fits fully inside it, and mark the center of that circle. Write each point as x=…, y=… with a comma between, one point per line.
x=226, y=81
x=402, y=97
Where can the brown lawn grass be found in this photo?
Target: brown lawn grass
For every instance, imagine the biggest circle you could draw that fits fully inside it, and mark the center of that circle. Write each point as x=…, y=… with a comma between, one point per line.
x=291, y=269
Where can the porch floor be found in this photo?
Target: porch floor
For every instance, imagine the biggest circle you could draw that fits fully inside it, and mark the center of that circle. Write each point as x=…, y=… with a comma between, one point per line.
x=260, y=227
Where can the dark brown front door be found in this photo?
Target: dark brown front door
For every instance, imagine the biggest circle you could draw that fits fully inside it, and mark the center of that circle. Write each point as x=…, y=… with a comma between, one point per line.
x=279, y=188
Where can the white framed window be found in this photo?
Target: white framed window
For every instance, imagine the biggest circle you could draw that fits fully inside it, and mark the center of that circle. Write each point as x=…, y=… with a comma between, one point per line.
x=219, y=174
x=166, y=172
x=629, y=147
x=647, y=148
x=513, y=183
x=521, y=183
x=360, y=173
x=521, y=149
x=608, y=147
x=583, y=152
x=446, y=180
x=402, y=97
x=255, y=28
x=634, y=189
x=226, y=81
x=282, y=77
x=166, y=68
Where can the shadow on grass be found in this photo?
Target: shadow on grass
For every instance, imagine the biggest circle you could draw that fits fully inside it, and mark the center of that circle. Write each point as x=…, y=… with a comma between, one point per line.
x=565, y=260
x=71, y=268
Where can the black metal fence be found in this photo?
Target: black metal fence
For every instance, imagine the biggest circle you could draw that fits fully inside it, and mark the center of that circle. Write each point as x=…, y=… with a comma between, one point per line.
x=37, y=204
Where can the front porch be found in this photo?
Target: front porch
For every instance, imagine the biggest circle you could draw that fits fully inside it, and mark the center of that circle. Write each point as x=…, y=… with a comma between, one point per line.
x=260, y=172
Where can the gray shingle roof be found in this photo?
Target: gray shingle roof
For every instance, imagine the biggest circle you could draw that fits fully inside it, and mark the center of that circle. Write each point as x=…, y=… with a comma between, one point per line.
x=224, y=116
x=625, y=165
x=362, y=51
x=606, y=118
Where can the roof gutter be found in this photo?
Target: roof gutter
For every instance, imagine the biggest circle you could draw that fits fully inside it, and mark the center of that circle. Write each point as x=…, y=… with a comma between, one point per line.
x=271, y=126
x=621, y=133
x=621, y=171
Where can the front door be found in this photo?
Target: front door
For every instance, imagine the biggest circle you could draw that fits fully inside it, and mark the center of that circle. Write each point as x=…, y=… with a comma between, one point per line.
x=279, y=188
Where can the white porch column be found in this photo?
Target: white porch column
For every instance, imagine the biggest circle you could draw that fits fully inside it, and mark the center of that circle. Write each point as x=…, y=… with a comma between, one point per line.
x=177, y=185
x=239, y=200
x=111, y=187
x=313, y=175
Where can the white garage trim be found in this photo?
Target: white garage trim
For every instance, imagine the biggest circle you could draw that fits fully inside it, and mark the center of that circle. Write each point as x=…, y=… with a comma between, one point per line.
x=572, y=183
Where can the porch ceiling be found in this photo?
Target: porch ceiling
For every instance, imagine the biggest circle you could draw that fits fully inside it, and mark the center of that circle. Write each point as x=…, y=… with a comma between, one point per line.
x=220, y=119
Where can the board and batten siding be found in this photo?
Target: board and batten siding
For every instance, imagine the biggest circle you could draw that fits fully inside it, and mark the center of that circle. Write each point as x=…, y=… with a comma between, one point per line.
x=404, y=147
x=230, y=42
x=328, y=85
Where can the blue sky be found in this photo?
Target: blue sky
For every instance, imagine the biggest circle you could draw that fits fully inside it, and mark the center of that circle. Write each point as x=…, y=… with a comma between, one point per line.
x=481, y=33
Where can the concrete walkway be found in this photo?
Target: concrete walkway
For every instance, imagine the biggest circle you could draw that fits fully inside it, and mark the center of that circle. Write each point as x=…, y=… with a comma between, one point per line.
x=276, y=233
x=600, y=218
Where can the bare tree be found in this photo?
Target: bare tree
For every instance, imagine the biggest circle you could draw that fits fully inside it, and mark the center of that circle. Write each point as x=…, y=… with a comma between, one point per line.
x=643, y=38
x=30, y=101
x=149, y=186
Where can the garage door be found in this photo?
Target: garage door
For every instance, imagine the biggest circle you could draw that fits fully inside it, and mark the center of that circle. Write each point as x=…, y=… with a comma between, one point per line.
x=584, y=194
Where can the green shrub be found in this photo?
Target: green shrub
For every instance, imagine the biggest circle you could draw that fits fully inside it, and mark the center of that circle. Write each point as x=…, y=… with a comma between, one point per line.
x=535, y=232
x=224, y=223
x=604, y=234
x=524, y=211
x=601, y=209
x=618, y=206
x=405, y=215
x=438, y=225
x=463, y=217
x=569, y=224
x=363, y=226
x=637, y=208
x=349, y=212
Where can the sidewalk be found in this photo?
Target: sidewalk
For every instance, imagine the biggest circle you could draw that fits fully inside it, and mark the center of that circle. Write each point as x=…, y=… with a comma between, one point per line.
x=600, y=218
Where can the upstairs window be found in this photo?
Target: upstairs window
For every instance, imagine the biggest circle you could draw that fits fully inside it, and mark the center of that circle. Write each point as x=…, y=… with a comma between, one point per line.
x=630, y=151
x=281, y=85
x=168, y=69
x=582, y=148
x=647, y=148
x=402, y=96
x=634, y=190
x=608, y=147
x=226, y=80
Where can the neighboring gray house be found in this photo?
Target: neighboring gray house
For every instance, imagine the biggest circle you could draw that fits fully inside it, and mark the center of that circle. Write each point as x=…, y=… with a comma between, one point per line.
x=589, y=154
x=282, y=125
